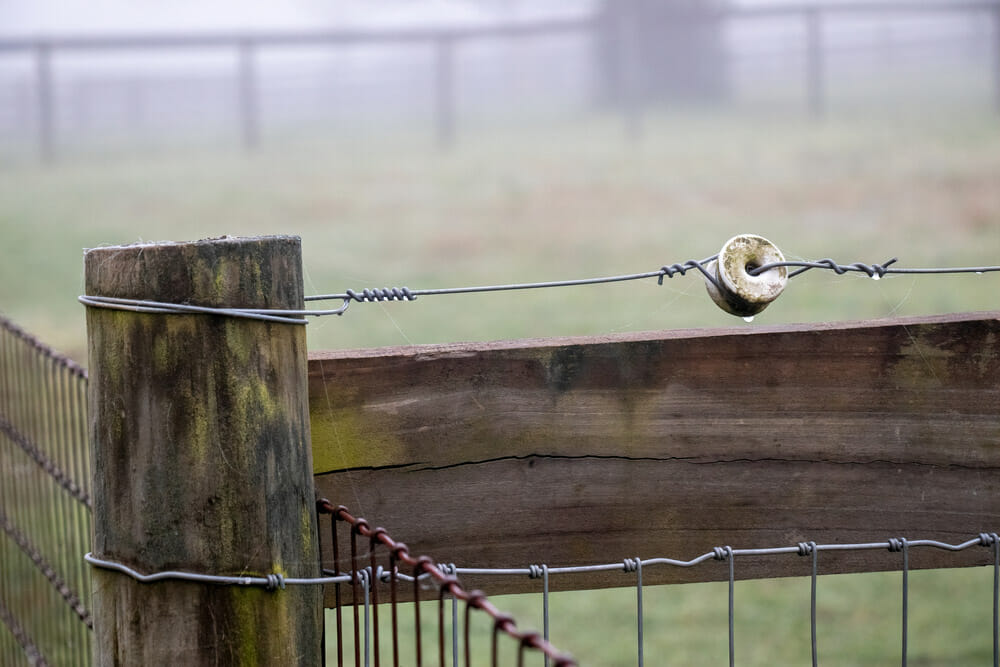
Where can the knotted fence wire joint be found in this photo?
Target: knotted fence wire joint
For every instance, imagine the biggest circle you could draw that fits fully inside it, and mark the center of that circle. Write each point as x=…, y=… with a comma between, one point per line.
x=806, y=548
x=897, y=544
x=536, y=571
x=630, y=564
x=722, y=553
x=682, y=269
x=381, y=294
x=988, y=539
x=275, y=581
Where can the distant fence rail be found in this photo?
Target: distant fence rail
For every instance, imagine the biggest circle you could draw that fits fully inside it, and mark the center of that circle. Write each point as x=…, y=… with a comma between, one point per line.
x=44, y=504
x=445, y=43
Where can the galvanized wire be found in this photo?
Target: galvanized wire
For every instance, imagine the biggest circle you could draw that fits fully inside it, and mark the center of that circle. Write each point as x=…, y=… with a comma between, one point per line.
x=728, y=554
x=384, y=294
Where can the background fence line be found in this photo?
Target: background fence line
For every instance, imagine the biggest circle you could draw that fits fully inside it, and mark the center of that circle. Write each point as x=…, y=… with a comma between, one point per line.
x=444, y=47
x=44, y=503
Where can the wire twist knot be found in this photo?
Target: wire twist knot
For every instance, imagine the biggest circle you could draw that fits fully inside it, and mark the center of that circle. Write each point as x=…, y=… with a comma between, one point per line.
x=274, y=582
x=382, y=294
x=630, y=564
x=806, y=548
x=897, y=544
x=722, y=553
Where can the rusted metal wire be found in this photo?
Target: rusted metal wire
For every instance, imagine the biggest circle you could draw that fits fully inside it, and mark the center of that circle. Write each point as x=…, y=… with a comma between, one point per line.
x=31, y=651
x=423, y=569
x=58, y=583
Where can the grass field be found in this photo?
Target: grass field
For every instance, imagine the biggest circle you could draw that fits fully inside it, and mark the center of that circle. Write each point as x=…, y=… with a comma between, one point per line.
x=576, y=201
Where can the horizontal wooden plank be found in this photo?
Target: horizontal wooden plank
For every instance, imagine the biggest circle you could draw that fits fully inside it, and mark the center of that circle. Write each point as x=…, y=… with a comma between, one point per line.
x=583, y=451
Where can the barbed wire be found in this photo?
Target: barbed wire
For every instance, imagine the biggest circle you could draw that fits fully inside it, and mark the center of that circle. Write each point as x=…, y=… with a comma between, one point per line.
x=387, y=294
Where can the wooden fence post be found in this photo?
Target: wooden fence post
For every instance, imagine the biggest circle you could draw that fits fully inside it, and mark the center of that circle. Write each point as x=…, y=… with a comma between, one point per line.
x=444, y=91
x=199, y=430
x=45, y=98
x=247, y=91
x=996, y=57
x=815, y=66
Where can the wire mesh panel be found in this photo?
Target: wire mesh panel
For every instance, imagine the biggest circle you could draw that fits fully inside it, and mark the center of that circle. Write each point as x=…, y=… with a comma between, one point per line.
x=44, y=505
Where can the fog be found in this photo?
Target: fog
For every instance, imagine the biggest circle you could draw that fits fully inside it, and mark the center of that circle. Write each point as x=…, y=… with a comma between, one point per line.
x=623, y=56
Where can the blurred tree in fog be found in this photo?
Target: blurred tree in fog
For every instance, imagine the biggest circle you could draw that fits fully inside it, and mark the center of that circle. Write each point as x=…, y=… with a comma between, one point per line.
x=670, y=51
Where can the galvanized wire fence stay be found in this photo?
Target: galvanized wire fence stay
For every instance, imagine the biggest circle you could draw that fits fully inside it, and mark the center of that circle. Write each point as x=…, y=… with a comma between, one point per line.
x=44, y=504
x=728, y=556
x=365, y=580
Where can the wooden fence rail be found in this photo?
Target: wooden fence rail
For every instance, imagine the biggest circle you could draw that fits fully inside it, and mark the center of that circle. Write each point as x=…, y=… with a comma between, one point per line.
x=593, y=450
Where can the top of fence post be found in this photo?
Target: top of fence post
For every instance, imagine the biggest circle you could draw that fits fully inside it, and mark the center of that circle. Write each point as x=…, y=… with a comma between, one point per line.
x=199, y=428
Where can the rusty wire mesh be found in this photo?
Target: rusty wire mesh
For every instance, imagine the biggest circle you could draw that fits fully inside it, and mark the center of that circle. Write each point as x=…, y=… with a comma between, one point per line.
x=44, y=504
x=368, y=576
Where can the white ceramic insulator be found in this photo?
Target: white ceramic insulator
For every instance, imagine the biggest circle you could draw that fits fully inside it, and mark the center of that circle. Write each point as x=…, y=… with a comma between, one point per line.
x=739, y=292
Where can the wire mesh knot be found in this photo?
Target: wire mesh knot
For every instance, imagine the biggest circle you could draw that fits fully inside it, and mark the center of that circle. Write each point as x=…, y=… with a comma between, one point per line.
x=382, y=294
x=988, y=539
x=537, y=571
x=274, y=582
x=448, y=568
x=630, y=564
x=806, y=548
x=897, y=544
x=722, y=553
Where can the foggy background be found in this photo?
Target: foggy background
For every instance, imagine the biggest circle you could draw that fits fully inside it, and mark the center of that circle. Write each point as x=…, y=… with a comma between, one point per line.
x=112, y=76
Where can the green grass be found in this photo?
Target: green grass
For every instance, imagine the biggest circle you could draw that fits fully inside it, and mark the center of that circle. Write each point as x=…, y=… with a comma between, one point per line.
x=539, y=204
x=574, y=201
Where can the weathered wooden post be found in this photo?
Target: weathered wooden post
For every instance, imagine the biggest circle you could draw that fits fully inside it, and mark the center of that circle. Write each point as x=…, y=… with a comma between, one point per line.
x=815, y=65
x=199, y=429
x=444, y=91
x=247, y=90
x=45, y=97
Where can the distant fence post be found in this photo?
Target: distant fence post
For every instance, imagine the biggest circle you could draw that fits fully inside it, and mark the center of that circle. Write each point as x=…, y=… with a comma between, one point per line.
x=199, y=430
x=247, y=91
x=45, y=99
x=996, y=56
x=444, y=91
x=815, y=67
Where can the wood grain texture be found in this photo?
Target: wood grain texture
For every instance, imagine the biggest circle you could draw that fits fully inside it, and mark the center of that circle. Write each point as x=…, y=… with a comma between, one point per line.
x=583, y=451
x=200, y=440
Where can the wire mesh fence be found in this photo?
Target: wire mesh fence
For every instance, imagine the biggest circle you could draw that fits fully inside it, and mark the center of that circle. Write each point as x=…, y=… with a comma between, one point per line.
x=44, y=504
x=45, y=514
x=366, y=575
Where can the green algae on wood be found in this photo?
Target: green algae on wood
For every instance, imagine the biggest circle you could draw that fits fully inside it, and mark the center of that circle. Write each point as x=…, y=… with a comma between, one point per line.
x=201, y=456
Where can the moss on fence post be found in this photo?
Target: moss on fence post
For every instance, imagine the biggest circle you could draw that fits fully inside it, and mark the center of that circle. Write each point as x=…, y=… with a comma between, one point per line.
x=199, y=429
